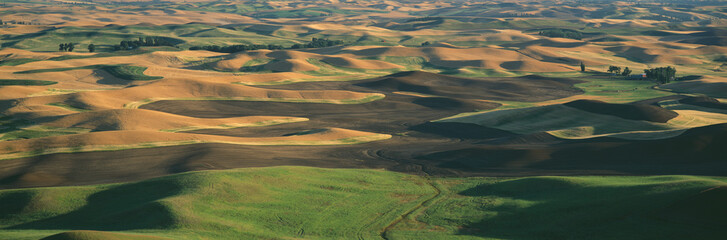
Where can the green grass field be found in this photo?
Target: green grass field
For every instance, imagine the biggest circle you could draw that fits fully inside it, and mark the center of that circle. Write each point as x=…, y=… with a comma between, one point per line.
x=315, y=203
x=297, y=202
x=16, y=129
x=592, y=207
x=17, y=61
x=24, y=82
x=256, y=65
x=558, y=117
x=127, y=72
x=267, y=203
x=38, y=133
x=612, y=90
x=621, y=91
x=68, y=107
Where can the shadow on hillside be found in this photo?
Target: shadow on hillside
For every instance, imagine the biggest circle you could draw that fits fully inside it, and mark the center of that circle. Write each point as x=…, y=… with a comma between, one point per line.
x=118, y=208
x=108, y=79
x=562, y=208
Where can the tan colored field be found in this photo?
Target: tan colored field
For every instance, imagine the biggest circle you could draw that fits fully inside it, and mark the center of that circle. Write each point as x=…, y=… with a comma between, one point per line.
x=109, y=111
x=79, y=16
x=452, y=63
x=182, y=82
x=129, y=139
x=138, y=119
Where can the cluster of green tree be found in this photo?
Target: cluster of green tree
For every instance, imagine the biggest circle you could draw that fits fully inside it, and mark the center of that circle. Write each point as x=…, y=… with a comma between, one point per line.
x=318, y=43
x=661, y=75
x=91, y=47
x=236, y=48
x=77, y=3
x=562, y=33
x=659, y=18
x=617, y=70
x=18, y=22
x=136, y=3
x=66, y=47
x=675, y=16
x=315, y=43
x=427, y=43
x=518, y=15
x=147, y=41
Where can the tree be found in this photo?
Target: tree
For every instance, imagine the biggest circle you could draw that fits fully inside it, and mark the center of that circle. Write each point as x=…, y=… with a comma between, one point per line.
x=626, y=71
x=91, y=47
x=316, y=43
x=150, y=41
x=614, y=69
x=562, y=33
x=427, y=43
x=70, y=47
x=61, y=47
x=583, y=67
x=662, y=75
x=141, y=42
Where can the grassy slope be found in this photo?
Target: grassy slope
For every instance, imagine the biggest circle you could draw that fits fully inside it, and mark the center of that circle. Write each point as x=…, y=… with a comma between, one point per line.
x=566, y=122
x=557, y=117
x=315, y=203
x=36, y=131
x=17, y=61
x=129, y=72
x=596, y=87
x=621, y=91
x=573, y=208
x=232, y=204
x=14, y=129
x=100, y=235
x=23, y=82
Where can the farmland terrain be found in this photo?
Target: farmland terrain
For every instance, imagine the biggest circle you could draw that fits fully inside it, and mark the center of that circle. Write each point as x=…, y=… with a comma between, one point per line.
x=206, y=119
